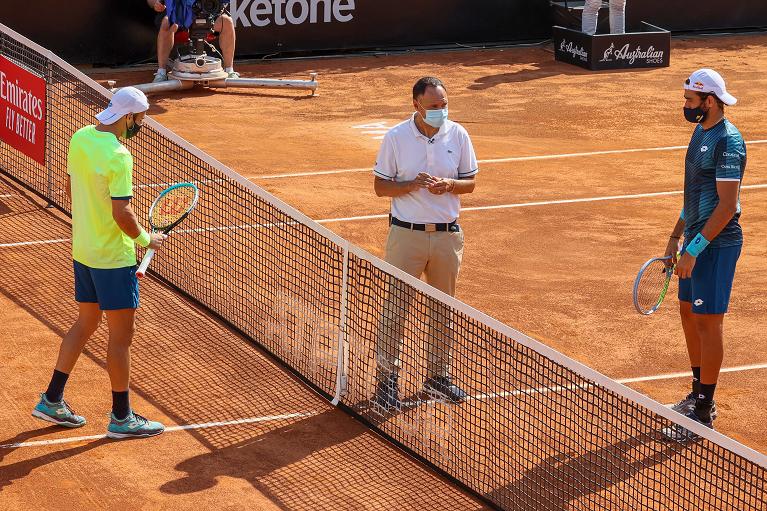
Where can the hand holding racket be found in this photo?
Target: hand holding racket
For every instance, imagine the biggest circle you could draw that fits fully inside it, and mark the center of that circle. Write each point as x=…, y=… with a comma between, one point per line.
x=167, y=211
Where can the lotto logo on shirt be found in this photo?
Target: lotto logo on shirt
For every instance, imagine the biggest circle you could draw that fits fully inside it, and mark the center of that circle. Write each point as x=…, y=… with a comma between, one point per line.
x=22, y=107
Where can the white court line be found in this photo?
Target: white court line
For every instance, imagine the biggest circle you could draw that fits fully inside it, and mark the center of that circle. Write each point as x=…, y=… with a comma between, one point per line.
x=7, y=196
x=478, y=397
x=540, y=203
x=37, y=242
x=498, y=160
x=375, y=217
x=169, y=429
x=203, y=182
x=671, y=376
x=585, y=386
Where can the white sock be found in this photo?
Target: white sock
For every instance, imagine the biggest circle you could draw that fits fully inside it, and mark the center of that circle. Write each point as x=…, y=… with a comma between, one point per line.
x=590, y=16
x=229, y=70
x=618, y=16
x=161, y=71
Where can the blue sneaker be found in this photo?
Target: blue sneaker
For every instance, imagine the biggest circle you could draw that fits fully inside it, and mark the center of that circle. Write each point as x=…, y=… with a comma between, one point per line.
x=133, y=426
x=58, y=413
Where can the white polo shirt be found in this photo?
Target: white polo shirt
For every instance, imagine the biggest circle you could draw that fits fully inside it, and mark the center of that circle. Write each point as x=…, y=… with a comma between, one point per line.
x=405, y=152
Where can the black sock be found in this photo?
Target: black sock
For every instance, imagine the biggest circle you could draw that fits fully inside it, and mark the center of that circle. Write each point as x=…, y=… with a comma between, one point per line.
x=120, y=405
x=707, y=392
x=696, y=380
x=705, y=402
x=55, y=392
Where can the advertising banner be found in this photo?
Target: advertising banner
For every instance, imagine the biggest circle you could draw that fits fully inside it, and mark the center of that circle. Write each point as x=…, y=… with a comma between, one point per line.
x=124, y=32
x=22, y=110
x=634, y=50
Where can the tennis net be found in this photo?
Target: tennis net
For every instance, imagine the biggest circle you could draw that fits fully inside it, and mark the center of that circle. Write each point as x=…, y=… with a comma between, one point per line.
x=538, y=430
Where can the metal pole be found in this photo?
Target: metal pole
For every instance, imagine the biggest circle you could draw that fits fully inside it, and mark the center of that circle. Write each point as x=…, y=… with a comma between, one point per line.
x=267, y=83
x=166, y=86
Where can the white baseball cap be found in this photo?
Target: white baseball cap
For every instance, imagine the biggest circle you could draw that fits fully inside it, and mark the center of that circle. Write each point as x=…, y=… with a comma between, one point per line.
x=128, y=100
x=709, y=81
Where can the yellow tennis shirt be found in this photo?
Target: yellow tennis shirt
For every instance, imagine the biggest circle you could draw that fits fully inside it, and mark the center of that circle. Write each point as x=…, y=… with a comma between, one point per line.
x=101, y=169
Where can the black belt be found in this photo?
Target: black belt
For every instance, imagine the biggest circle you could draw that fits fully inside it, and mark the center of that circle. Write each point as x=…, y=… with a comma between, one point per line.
x=451, y=227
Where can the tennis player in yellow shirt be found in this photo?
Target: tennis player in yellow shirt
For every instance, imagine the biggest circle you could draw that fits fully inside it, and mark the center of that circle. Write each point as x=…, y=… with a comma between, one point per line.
x=104, y=234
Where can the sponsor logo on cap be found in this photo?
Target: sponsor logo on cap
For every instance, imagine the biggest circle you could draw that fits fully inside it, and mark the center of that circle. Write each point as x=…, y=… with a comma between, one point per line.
x=697, y=85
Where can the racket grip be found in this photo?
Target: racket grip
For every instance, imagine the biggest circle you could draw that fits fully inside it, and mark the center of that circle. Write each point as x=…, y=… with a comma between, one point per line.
x=145, y=263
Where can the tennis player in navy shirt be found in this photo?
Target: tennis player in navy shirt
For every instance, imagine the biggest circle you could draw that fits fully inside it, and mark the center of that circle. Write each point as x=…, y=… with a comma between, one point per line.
x=710, y=220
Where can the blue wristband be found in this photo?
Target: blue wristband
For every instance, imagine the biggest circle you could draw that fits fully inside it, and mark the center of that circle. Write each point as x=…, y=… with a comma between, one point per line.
x=697, y=245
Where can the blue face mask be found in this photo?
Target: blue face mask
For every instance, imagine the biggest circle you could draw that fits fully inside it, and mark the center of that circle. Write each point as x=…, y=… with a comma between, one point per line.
x=436, y=118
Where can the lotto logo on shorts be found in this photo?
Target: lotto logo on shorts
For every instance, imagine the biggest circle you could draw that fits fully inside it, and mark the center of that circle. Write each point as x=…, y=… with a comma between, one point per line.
x=698, y=302
x=703, y=148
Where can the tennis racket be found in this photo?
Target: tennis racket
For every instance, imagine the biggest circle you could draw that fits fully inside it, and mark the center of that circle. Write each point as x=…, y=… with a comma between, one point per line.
x=651, y=284
x=167, y=211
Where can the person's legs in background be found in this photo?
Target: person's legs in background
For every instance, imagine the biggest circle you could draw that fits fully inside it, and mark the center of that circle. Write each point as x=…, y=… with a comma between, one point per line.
x=224, y=25
x=445, y=255
x=408, y=251
x=590, y=16
x=617, y=16
x=164, y=45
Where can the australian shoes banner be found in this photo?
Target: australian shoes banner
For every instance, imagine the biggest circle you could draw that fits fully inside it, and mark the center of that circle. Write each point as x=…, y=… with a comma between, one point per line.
x=649, y=48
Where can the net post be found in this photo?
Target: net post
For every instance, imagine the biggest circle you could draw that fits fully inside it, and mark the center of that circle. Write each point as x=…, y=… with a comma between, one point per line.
x=343, y=341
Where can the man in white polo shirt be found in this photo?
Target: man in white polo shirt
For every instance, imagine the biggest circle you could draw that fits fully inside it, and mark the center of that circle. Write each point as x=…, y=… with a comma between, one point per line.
x=424, y=164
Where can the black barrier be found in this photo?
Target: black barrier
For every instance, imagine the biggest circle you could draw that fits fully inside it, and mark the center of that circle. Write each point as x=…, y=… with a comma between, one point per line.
x=697, y=15
x=674, y=15
x=306, y=25
x=119, y=32
x=650, y=47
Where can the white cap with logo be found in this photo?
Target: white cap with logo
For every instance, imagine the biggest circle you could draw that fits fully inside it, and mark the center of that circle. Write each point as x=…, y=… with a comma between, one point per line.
x=709, y=81
x=128, y=100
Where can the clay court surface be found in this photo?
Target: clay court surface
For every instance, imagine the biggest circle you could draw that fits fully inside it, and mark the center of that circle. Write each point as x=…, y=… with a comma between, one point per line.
x=554, y=237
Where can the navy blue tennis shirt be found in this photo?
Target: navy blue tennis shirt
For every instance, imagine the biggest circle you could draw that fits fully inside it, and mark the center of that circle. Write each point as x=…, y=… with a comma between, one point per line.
x=715, y=154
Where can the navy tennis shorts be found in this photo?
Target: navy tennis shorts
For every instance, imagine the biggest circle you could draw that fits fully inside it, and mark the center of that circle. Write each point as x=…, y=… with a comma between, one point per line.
x=112, y=289
x=711, y=283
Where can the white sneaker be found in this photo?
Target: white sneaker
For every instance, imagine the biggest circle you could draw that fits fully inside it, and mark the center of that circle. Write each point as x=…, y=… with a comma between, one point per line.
x=160, y=77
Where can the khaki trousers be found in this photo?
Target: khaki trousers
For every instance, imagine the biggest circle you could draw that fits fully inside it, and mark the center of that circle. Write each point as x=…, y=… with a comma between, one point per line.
x=437, y=255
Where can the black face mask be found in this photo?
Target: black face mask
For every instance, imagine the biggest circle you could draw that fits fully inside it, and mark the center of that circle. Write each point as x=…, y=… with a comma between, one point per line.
x=133, y=130
x=696, y=115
